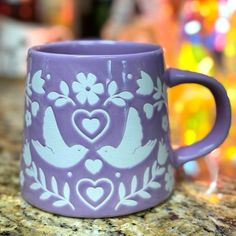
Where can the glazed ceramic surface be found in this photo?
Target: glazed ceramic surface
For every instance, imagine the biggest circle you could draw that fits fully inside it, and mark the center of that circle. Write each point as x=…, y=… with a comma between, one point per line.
x=96, y=137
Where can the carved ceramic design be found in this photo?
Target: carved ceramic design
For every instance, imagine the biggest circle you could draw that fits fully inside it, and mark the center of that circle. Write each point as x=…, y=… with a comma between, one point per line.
x=149, y=181
x=40, y=182
x=93, y=166
x=61, y=98
x=118, y=99
x=86, y=88
x=130, y=152
x=91, y=125
x=95, y=193
x=162, y=153
x=34, y=84
x=169, y=179
x=146, y=88
x=55, y=149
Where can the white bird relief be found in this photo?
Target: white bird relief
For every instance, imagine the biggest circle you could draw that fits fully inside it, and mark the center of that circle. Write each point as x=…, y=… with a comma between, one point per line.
x=56, y=152
x=130, y=152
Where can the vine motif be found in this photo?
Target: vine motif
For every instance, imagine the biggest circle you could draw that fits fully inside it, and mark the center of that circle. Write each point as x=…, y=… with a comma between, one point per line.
x=118, y=99
x=62, y=98
x=34, y=84
x=40, y=181
x=146, y=88
x=150, y=174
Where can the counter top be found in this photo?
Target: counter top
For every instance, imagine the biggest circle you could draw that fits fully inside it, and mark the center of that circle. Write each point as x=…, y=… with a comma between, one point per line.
x=188, y=212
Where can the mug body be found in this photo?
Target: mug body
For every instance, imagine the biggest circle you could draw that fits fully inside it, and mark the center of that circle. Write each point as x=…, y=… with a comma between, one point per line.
x=96, y=136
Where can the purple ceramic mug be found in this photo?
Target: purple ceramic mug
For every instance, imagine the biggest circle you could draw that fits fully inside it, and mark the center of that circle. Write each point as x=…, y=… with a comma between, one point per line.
x=96, y=137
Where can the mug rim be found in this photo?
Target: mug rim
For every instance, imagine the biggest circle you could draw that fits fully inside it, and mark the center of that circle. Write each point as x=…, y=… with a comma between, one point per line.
x=53, y=49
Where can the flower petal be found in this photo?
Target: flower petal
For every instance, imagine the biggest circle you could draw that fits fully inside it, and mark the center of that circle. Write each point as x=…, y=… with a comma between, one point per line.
x=92, y=98
x=91, y=79
x=98, y=88
x=82, y=79
x=82, y=97
x=77, y=87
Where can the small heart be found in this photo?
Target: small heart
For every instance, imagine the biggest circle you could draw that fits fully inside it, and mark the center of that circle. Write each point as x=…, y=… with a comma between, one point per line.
x=93, y=166
x=91, y=125
x=95, y=193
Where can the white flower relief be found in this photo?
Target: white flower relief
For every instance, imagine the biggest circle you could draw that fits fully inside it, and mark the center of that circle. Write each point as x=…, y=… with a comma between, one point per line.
x=145, y=84
x=162, y=154
x=169, y=179
x=87, y=89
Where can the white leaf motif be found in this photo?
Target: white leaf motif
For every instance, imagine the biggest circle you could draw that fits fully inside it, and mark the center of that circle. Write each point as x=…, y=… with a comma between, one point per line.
x=66, y=191
x=38, y=83
x=35, y=108
x=122, y=191
x=27, y=154
x=60, y=102
x=118, y=101
x=146, y=176
x=35, y=186
x=160, y=171
x=35, y=171
x=154, y=185
x=144, y=194
x=53, y=95
x=154, y=166
x=42, y=178
x=54, y=185
x=112, y=88
x=22, y=178
x=159, y=106
x=129, y=202
x=45, y=196
x=134, y=184
x=126, y=95
x=59, y=203
x=64, y=88
x=148, y=109
x=159, y=85
x=29, y=172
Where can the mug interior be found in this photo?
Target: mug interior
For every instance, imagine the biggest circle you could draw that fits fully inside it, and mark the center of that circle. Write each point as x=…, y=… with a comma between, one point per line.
x=97, y=47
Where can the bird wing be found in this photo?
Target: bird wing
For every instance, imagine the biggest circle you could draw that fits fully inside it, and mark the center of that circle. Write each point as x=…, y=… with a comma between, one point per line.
x=51, y=133
x=133, y=133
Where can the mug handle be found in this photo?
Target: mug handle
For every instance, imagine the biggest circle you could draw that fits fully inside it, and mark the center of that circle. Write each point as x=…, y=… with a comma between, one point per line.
x=219, y=132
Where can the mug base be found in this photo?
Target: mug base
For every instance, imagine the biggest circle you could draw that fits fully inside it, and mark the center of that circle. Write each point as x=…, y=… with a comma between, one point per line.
x=96, y=215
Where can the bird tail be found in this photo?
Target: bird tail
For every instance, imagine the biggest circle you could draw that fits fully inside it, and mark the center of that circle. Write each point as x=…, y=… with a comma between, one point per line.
x=40, y=149
x=149, y=146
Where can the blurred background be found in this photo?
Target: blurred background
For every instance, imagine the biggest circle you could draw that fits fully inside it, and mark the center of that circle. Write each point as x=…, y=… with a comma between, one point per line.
x=198, y=35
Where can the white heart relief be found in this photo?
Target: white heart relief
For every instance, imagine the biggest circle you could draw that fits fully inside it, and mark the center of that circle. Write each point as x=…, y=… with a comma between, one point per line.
x=93, y=166
x=95, y=194
x=91, y=125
